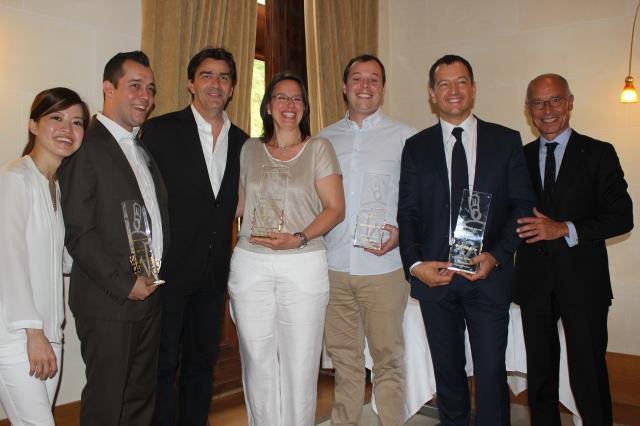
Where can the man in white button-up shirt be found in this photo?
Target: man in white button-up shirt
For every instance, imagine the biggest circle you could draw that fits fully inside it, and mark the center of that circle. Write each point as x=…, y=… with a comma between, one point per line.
x=368, y=290
x=117, y=314
x=198, y=152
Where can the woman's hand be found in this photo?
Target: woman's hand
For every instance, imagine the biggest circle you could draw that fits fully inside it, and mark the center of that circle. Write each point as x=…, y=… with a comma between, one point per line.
x=42, y=360
x=278, y=241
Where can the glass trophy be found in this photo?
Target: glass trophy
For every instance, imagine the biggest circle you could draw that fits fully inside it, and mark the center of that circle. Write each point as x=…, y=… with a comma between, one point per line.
x=469, y=231
x=141, y=258
x=268, y=213
x=371, y=218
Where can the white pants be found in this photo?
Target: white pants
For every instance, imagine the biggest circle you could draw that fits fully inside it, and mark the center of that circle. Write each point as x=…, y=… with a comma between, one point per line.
x=25, y=399
x=278, y=303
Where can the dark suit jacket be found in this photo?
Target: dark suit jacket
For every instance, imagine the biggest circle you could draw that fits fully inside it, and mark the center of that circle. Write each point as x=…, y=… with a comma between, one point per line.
x=201, y=223
x=93, y=183
x=591, y=192
x=423, y=206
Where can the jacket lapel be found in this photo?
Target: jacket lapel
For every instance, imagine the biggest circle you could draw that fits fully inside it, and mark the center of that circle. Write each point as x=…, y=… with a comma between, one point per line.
x=112, y=148
x=439, y=156
x=191, y=143
x=483, y=155
x=532, y=155
x=569, y=167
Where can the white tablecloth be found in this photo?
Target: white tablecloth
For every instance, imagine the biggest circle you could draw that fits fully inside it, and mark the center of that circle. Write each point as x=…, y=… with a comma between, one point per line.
x=420, y=378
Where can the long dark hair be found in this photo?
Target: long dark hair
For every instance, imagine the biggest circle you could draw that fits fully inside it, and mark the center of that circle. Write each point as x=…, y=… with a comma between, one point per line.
x=50, y=101
x=267, y=119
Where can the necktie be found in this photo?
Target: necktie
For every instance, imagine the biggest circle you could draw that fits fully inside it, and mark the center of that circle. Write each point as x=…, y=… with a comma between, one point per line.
x=549, y=174
x=459, y=175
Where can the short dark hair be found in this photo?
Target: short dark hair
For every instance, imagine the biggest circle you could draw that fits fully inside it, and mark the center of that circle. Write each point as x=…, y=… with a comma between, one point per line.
x=367, y=57
x=113, y=70
x=267, y=119
x=217, y=53
x=50, y=101
x=448, y=60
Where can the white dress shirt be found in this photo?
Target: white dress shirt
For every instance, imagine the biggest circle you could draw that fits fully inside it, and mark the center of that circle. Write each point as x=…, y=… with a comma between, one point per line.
x=31, y=246
x=215, y=155
x=469, y=141
x=139, y=160
x=376, y=148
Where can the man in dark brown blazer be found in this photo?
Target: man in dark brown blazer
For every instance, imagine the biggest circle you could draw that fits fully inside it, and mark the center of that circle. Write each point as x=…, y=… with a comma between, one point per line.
x=562, y=269
x=198, y=152
x=117, y=314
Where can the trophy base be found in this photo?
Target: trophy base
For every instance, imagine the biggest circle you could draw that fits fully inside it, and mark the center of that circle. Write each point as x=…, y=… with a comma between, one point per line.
x=471, y=269
x=261, y=235
x=370, y=246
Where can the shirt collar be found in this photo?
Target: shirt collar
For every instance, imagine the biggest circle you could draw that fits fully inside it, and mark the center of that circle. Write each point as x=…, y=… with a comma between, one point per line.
x=367, y=123
x=468, y=125
x=203, y=124
x=118, y=132
x=562, y=138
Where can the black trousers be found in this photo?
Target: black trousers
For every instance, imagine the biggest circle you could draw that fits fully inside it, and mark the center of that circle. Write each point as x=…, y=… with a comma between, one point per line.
x=121, y=362
x=465, y=306
x=585, y=329
x=191, y=325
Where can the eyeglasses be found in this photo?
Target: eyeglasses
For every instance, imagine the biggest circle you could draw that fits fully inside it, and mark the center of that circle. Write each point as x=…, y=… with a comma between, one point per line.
x=554, y=102
x=284, y=99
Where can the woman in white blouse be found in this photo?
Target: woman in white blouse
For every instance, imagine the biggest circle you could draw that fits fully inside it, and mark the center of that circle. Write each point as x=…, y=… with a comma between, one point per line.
x=31, y=252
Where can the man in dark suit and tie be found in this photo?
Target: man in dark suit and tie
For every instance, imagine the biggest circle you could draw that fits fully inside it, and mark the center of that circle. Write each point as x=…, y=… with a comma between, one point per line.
x=462, y=152
x=117, y=314
x=562, y=270
x=198, y=152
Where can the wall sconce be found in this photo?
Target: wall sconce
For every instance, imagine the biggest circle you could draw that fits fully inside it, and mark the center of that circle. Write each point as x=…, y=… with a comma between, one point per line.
x=629, y=93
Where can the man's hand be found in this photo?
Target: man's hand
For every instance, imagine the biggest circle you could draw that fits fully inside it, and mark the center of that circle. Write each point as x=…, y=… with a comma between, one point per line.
x=486, y=262
x=42, y=360
x=433, y=274
x=390, y=243
x=277, y=241
x=142, y=289
x=540, y=227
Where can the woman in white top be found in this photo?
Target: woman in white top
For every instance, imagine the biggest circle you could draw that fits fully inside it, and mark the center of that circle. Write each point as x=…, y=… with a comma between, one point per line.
x=31, y=253
x=278, y=283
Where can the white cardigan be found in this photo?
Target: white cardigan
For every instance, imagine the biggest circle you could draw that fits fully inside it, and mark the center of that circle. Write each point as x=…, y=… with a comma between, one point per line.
x=31, y=253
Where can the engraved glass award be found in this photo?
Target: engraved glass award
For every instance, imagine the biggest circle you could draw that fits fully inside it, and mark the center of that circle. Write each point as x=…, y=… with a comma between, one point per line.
x=469, y=231
x=141, y=258
x=268, y=213
x=371, y=218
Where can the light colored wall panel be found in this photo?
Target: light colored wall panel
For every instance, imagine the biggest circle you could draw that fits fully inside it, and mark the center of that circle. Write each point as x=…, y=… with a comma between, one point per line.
x=508, y=43
x=44, y=44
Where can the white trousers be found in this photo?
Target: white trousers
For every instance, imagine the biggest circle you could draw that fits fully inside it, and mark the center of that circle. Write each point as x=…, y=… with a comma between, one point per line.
x=25, y=399
x=278, y=303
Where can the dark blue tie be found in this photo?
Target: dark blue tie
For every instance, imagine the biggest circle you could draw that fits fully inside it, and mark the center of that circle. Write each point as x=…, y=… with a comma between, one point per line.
x=549, y=176
x=459, y=175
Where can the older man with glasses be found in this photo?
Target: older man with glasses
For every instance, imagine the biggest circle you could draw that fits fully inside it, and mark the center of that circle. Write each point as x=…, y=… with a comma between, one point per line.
x=562, y=270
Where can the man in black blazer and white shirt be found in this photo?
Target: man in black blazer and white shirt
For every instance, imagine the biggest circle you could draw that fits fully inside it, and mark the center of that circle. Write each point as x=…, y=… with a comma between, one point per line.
x=492, y=161
x=562, y=270
x=117, y=314
x=198, y=151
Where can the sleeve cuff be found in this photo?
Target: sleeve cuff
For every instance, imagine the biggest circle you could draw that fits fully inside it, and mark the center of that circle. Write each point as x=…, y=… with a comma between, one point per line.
x=572, y=238
x=21, y=325
x=413, y=266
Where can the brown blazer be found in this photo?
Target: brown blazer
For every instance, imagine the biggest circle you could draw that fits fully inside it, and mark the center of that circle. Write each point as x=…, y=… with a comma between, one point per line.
x=93, y=183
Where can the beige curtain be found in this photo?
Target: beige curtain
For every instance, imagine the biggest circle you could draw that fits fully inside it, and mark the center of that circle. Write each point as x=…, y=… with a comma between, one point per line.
x=174, y=30
x=336, y=31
